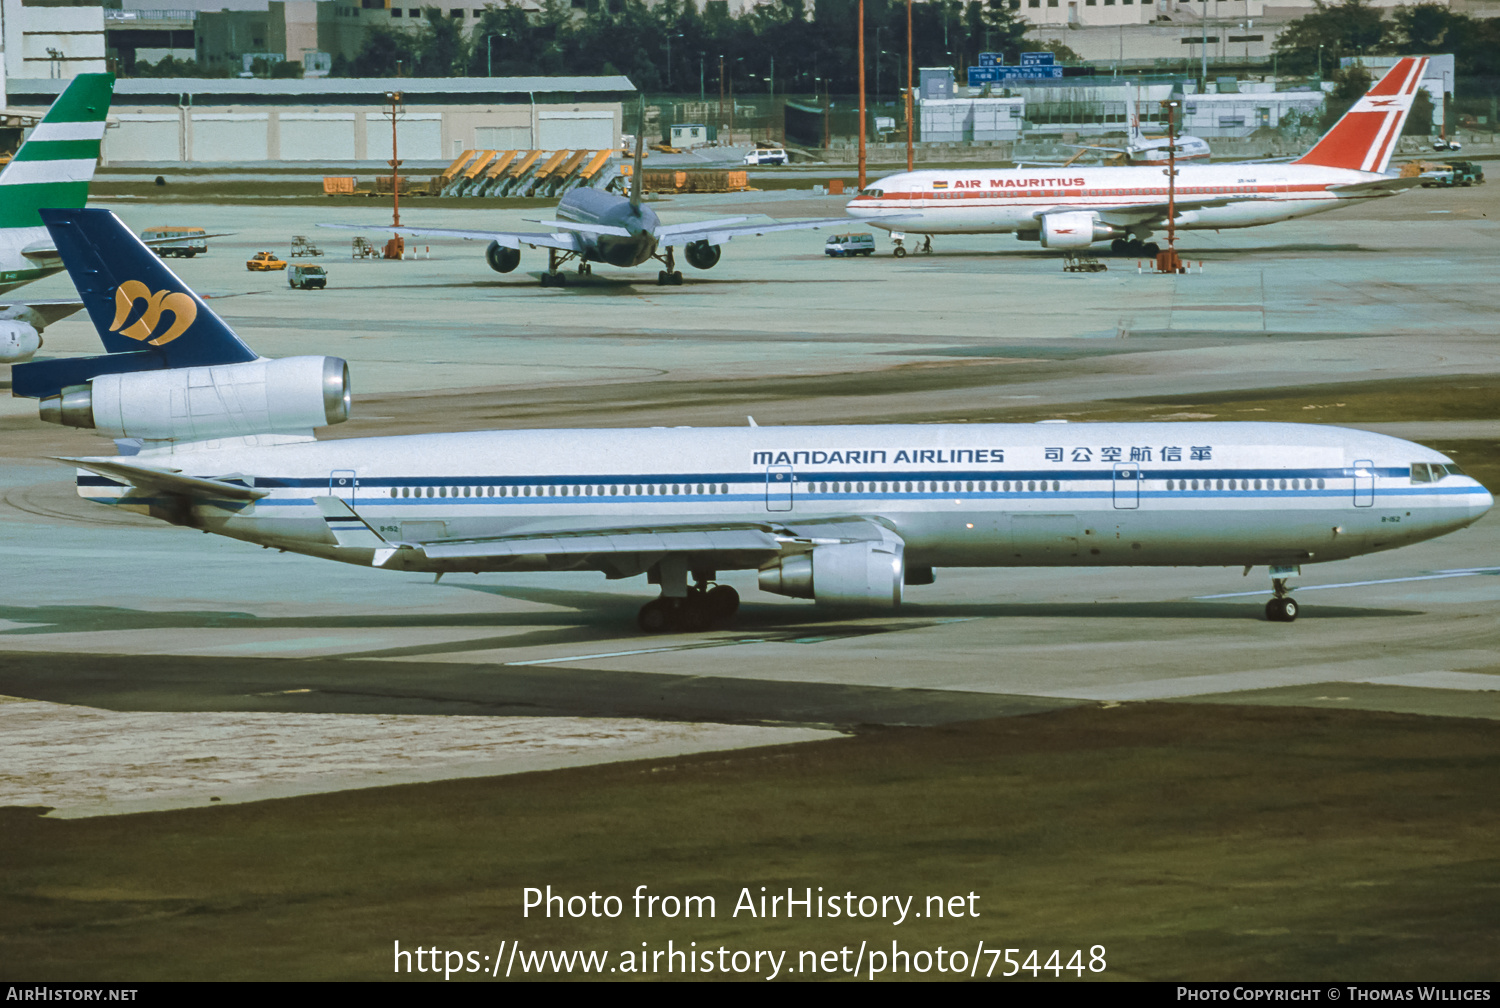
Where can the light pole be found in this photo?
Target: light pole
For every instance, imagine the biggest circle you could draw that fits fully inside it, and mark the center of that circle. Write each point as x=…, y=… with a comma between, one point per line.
x=489, y=51
x=1320, y=63
x=670, y=37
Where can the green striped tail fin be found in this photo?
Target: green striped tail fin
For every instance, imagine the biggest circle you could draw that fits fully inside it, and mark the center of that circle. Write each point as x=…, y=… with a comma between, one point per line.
x=54, y=166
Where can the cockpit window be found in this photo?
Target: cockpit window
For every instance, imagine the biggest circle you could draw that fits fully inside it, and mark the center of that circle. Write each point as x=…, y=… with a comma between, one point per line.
x=1431, y=472
x=1420, y=473
x=875, y=193
x=1454, y=470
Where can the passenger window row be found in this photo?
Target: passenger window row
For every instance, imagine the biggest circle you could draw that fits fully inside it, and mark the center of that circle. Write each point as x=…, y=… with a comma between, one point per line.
x=1245, y=484
x=566, y=490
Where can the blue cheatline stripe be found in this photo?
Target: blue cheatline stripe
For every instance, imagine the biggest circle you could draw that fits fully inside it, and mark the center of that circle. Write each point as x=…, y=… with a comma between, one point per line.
x=804, y=476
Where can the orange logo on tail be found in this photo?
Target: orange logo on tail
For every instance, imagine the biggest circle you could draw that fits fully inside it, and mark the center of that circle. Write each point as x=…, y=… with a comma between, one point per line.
x=179, y=304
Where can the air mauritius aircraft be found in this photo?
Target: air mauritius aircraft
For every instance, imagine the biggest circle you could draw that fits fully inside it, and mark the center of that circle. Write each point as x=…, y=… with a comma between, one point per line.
x=222, y=440
x=1076, y=207
x=53, y=168
x=595, y=226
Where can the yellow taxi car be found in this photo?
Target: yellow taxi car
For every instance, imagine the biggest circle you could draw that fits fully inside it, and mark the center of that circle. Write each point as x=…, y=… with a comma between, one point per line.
x=265, y=261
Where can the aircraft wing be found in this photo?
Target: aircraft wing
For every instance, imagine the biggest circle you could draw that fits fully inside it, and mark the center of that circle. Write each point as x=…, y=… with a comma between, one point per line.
x=567, y=241
x=170, y=481
x=617, y=551
x=1140, y=213
x=49, y=310
x=1377, y=187
x=720, y=231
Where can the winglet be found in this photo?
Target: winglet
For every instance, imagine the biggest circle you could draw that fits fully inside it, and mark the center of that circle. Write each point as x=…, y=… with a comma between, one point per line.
x=348, y=528
x=1365, y=137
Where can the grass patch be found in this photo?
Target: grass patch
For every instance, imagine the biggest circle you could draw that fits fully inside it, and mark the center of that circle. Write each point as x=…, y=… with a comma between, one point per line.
x=1193, y=841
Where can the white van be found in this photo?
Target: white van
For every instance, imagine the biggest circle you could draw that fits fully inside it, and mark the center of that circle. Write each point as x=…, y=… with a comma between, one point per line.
x=766, y=156
x=850, y=245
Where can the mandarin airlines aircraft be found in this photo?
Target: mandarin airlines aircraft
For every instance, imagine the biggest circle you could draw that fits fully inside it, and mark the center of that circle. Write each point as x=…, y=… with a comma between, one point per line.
x=1076, y=207
x=846, y=515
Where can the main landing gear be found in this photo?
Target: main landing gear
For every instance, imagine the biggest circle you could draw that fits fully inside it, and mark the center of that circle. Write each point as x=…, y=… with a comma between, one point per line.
x=669, y=277
x=684, y=607
x=1282, y=608
x=555, y=277
x=1134, y=247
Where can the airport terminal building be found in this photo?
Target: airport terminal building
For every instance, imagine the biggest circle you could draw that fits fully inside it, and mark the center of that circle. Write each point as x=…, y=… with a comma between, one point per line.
x=331, y=120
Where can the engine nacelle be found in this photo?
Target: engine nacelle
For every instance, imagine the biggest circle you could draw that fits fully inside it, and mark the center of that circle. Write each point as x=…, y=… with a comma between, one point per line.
x=868, y=574
x=501, y=258
x=1075, y=229
x=702, y=255
x=287, y=396
x=18, y=341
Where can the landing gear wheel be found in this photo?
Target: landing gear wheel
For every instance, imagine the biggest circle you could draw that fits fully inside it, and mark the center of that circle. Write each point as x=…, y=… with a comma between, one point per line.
x=554, y=280
x=691, y=615
x=1121, y=247
x=668, y=279
x=1281, y=610
x=721, y=602
x=654, y=616
x=1151, y=249
x=899, y=252
x=584, y=269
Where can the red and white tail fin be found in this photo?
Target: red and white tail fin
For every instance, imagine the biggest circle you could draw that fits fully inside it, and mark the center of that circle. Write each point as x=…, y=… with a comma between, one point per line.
x=1365, y=137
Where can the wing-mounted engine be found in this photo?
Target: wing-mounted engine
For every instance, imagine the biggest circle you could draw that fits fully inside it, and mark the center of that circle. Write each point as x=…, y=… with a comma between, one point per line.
x=501, y=258
x=866, y=573
x=702, y=255
x=18, y=341
x=287, y=396
x=1075, y=229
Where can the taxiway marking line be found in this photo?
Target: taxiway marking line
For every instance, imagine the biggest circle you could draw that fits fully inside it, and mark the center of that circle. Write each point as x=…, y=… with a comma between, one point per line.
x=1470, y=572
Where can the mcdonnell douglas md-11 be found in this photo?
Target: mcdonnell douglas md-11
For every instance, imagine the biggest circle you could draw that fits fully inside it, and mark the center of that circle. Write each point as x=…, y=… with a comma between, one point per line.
x=1075, y=207
x=844, y=515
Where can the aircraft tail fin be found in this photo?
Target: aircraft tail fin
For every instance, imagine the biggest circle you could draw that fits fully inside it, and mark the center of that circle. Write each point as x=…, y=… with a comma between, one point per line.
x=640, y=153
x=146, y=317
x=54, y=166
x=1365, y=137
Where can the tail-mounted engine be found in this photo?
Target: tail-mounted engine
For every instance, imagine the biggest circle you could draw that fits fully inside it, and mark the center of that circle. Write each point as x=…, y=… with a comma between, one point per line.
x=868, y=574
x=501, y=258
x=287, y=396
x=702, y=255
x=1075, y=229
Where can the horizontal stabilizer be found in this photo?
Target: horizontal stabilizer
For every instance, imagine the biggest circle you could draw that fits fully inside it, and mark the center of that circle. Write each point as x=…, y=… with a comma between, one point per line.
x=170, y=481
x=42, y=379
x=47, y=311
x=601, y=229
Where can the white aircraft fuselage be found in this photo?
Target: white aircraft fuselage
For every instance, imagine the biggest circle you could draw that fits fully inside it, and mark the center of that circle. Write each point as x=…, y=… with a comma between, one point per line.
x=594, y=206
x=1004, y=201
x=971, y=495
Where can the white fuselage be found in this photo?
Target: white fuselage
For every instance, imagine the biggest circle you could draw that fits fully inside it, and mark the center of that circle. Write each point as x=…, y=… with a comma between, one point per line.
x=957, y=495
x=1002, y=201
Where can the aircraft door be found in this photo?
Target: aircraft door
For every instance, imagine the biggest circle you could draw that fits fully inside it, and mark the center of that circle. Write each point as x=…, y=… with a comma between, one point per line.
x=779, y=481
x=343, y=484
x=1127, y=485
x=1364, y=483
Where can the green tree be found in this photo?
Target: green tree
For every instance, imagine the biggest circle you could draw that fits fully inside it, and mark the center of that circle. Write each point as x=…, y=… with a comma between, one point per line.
x=385, y=51
x=441, y=49
x=1332, y=31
